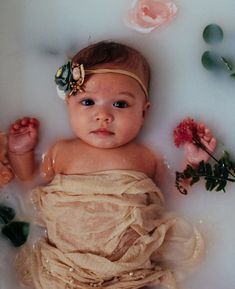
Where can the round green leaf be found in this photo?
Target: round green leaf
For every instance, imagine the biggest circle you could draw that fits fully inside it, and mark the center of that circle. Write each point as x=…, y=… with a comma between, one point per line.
x=213, y=33
x=210, y=60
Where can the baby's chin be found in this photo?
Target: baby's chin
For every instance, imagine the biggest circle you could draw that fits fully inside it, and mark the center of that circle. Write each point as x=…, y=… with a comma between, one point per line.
x=104, y=144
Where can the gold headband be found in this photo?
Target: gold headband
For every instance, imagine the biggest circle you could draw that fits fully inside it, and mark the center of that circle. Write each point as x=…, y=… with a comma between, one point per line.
x=71, y=76
x=119, y=71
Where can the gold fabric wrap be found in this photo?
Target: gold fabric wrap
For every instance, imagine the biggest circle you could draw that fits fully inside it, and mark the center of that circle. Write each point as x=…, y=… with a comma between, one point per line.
x=109, y=230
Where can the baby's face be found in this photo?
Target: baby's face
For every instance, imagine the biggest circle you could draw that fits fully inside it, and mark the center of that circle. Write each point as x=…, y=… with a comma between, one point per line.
x=110, y=112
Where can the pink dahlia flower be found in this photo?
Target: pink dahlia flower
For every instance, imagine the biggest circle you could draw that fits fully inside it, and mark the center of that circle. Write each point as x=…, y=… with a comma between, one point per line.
x=186, y=131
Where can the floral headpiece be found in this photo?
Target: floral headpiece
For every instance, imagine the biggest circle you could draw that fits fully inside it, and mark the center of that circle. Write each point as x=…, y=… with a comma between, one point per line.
x=70, y=77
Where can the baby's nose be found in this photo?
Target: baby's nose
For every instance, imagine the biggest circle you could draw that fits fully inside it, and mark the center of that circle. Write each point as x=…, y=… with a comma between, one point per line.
x=104, y=116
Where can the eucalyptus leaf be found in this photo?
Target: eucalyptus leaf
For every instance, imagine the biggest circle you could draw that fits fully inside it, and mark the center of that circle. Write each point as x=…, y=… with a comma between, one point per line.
x=213, y=33
x=7, y=214
x=211, y=60
x=17, y=232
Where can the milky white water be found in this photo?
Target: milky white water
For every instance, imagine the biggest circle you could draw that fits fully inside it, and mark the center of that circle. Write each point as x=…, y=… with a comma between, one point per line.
x=36, y=36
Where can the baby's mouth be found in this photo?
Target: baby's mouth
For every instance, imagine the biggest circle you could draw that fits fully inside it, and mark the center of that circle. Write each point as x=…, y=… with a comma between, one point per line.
x=102, y=132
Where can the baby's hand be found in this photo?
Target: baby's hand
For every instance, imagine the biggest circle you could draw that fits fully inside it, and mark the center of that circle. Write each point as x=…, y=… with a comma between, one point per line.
x=194, y=155
x=23, y=135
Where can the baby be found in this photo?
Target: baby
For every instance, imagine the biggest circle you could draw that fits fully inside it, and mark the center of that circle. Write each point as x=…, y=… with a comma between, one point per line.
x=104, y=214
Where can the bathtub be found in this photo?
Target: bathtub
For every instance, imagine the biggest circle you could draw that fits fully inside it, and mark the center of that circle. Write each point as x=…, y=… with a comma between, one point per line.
x=38, y=36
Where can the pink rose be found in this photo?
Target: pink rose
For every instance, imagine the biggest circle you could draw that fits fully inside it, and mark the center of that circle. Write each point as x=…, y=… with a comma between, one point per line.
x=146, y=15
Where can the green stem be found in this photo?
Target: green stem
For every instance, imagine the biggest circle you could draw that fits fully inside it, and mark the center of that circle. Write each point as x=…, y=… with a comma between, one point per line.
x=198, y=142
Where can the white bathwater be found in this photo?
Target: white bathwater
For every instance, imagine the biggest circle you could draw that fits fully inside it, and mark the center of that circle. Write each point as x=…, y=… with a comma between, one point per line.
x=35, y=39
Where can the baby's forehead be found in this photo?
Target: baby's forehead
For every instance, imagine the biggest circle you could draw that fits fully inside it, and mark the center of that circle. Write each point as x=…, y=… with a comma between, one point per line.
x=111, y=81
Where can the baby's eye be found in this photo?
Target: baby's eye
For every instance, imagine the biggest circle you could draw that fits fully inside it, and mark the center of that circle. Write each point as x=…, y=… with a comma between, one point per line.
x=120, y=104
x=87, y=102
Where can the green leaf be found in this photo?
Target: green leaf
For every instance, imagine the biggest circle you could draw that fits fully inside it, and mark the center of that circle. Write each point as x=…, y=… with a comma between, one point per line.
x=208, y=184
x=213, y=33
x=210, y=60
x=221, y=186
x=17, y=232
x=188, y=172
x=228, y=64
x=201, y=168
x=213, y=185
x=216, y=170
x=208, y=169
x=232, y=75
x=6, y=214
x=194, y=180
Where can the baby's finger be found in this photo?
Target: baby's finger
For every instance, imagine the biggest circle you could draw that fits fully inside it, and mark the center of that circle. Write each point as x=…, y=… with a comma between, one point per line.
x=201, y=129
x=209, y=145
x=15, y=126
x=212, y=144
x=208, y=134
x=24, y=120
x=34, y=122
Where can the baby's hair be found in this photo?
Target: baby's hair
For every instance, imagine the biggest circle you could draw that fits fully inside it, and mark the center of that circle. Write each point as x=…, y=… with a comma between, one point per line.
x=103, y=53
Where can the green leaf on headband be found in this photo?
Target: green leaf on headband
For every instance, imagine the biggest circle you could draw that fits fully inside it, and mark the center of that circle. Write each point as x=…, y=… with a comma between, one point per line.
x=63, y=77
x=6, y=214
x=213, y=33
x=17, y=232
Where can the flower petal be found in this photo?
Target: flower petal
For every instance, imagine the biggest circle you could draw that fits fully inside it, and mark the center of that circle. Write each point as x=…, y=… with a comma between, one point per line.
x=146, y=15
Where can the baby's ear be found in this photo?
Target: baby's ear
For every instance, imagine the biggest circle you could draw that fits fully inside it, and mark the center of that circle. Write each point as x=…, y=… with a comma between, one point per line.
x=146, y=108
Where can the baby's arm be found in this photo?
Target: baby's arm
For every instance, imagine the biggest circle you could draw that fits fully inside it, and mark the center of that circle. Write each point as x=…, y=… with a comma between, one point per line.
x=47, y=169
x=55, y=160
x=160, y=171
x=22, y=140
x=194, y=154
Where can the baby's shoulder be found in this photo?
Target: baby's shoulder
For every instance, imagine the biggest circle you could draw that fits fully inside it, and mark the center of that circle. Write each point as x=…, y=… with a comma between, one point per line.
x=63, y=146
x=145, y=155
x=145, y=151
x=153, y=158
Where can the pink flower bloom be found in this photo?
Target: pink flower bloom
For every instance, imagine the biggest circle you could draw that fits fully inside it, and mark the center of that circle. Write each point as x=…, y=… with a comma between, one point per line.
x=146, y=15
x=186, y=131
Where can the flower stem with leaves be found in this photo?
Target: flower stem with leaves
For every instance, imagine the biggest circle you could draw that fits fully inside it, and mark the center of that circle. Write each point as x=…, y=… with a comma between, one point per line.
x=216, y=176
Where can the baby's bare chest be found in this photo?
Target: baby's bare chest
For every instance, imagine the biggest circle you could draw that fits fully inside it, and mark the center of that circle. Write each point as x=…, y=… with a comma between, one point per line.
x=86, y=161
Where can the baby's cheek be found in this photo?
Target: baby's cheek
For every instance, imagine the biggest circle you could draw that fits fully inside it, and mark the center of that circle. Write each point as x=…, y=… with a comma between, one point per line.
x=132, y=128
